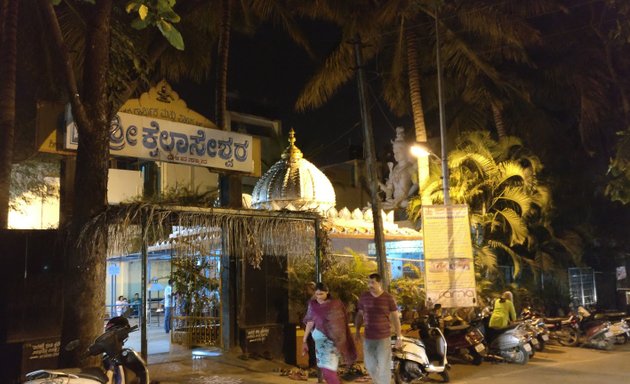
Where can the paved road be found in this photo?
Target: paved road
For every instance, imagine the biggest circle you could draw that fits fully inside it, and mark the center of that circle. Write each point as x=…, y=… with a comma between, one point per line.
x=555, y=365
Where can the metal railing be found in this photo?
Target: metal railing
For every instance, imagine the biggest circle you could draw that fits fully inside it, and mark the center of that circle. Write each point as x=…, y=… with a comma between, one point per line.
x=196, y=330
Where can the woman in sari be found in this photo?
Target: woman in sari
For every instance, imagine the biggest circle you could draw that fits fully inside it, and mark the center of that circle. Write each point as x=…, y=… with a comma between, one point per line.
x=327, y=321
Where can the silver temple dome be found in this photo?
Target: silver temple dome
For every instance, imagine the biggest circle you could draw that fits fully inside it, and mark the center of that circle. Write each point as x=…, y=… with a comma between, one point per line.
x=293, y=183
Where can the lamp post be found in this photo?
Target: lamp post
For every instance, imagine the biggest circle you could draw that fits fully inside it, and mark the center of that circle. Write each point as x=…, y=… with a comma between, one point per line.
x=447, y=199
x=420, y=149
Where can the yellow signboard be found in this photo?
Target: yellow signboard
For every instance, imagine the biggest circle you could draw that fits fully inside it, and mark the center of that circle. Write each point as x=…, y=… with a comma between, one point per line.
x=449, y=266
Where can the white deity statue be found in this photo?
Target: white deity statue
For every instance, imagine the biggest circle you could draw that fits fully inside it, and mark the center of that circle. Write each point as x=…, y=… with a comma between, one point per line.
x=402, y=181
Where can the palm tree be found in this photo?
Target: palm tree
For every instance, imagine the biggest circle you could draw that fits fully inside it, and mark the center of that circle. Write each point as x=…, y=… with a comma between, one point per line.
x=499, y=182
x=402, y=33
x=8, y=61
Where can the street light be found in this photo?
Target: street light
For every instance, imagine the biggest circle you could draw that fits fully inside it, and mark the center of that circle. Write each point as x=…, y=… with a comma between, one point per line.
x=447, y=199
x=421, y=149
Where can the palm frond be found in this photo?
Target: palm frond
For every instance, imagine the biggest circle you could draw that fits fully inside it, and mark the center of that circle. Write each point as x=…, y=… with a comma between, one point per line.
x=514, y=196
x=516, y=258
x=512, y=224
x=485, y=259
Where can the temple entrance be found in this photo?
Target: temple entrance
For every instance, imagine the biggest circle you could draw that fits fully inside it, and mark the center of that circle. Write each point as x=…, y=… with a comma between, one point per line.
x=190, y=259
x=222, y=265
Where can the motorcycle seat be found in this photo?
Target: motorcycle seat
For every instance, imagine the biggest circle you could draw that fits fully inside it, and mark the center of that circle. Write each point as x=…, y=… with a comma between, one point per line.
x=455, y=328
x=610, y=315
x=554, y=319
x=92, y=373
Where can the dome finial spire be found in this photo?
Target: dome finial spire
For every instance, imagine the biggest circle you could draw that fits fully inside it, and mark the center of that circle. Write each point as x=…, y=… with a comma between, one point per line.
x=292, y=137
x=292, y=153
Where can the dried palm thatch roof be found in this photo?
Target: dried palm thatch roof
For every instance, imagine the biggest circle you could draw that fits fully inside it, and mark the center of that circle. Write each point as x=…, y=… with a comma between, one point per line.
x=245, y=234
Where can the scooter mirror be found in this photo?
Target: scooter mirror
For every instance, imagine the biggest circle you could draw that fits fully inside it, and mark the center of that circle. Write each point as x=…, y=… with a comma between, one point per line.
x=71, y=346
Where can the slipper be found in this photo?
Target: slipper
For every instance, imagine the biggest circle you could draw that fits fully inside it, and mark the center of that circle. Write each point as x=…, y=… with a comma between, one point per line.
x=298, y=376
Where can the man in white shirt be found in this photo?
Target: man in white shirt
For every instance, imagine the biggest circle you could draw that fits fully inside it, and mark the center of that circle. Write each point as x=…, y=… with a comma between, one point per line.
x=168, y=305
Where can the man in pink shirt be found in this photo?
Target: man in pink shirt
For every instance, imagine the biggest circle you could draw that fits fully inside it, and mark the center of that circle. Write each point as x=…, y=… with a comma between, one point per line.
x=377, y=309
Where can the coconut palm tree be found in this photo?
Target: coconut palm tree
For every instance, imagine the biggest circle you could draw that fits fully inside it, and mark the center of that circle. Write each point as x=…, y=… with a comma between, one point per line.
x=402, y=34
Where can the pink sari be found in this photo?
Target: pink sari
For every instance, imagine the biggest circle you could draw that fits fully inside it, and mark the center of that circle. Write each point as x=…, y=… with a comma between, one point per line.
x=330, y=318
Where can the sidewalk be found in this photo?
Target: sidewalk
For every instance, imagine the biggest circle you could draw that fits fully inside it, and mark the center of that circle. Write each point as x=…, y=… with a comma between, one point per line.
x=225, y=369
x=171, y=363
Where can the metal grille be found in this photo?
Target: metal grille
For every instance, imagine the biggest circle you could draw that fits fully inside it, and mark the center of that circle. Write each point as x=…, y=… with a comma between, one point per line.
x=196, y=330
x=582, y=286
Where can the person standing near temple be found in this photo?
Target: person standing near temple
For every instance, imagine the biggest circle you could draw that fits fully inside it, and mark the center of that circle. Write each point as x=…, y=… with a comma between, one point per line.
x=168, y=305
x=327, y=322
x=377, y=309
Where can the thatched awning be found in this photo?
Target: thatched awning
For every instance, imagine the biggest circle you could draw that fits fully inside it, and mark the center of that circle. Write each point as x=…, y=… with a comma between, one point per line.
x=243, y=233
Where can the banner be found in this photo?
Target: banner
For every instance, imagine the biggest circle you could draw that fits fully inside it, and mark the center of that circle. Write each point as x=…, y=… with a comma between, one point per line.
x=449, y=266
x=162, y=140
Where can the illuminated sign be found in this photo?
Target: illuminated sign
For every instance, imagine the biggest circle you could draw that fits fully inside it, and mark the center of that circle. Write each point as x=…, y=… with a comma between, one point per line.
x=174, y=142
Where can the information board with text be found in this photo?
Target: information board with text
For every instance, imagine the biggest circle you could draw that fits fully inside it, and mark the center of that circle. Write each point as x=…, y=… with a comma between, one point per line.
x=449, y=265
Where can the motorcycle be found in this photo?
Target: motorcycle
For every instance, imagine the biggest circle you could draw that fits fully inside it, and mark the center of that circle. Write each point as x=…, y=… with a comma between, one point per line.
x=620, y=331
x=564, y=330
x=529, y=334
x=619, y=326
x=120, y=365
x=595, y=333
x=416, y=359
x=537, y=328
x=465, y=339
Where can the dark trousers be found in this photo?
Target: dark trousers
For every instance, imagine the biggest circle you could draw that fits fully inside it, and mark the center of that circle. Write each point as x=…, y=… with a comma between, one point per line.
x=167, y=319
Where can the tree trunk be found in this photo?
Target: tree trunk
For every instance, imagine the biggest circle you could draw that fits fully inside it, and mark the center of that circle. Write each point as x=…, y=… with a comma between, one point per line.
x=230, y=186
x=87, y=261
x=415, y=94
x=498, y=121
x=84, y=293
x=223, y=50
x=8, y=57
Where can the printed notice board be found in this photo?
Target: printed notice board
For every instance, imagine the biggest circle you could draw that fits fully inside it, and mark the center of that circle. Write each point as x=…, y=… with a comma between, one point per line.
x=449, y=266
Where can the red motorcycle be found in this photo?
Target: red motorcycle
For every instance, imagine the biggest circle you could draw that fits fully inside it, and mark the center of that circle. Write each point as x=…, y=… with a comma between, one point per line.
x=465, y=340
x=595, y=333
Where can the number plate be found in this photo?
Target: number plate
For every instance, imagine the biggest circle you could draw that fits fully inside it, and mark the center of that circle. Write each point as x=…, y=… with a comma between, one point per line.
x=535, y=341
x=545, y=337
x=479, y=347
x=393, y=365
x=608, y=334
x=528, y=347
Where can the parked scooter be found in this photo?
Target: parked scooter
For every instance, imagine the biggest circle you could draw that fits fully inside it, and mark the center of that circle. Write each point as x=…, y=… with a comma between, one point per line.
x=508, y=344
x=120, y=365
x=419, y=358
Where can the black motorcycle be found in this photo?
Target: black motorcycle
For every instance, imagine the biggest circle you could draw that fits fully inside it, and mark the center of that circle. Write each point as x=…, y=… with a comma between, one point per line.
x=120, y=365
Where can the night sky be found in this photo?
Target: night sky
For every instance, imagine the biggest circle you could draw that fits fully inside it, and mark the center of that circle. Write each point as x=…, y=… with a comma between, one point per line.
x=266, y=73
